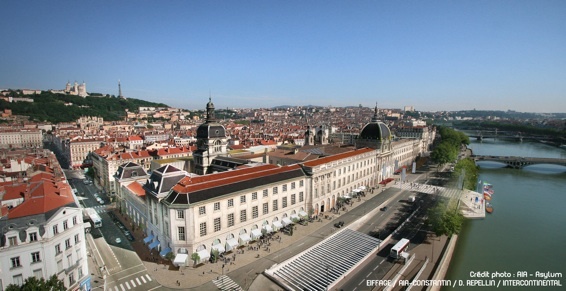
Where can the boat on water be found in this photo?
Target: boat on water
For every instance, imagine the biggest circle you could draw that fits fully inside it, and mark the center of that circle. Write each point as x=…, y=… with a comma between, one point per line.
x=488, y=208
x=486, y=196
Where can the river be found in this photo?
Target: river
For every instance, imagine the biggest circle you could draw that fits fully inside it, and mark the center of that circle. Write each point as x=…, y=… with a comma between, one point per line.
x=526, y=231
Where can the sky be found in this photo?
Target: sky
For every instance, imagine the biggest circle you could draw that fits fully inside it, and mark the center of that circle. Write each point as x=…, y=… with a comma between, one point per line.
x=433, y=55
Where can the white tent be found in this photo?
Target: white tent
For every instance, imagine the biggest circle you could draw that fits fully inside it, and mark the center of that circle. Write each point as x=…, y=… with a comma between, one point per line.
x=256, y=233
x=277, y=225
x=286, y=221
x=231, y=244
x=219, y=248
x=244, y=238
x=204, y=255
x=180, y=260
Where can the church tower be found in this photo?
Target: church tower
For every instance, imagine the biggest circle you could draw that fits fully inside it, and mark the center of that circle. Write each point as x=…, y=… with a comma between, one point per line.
x=211, y=141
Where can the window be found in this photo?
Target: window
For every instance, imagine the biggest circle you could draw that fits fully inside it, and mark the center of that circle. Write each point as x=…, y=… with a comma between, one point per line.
x=275, y=190
x=78, y=255
x=216, y=206
x=58, y=249
x=181, y=232
x=71, y=278
x=38, y=273
x=301, y=197
x=230, y=219
x=35, y=257
x=202, y=210
x=202, y=228
x=18, y=280
x=301, y=183
x=243, y=199
x=284, y=187
x=15, y=262
x=265, y=208
x=230, y=202
x=243, y=215
x=67, y=243
x=69, y=260
x=77, y=239
x=293, y=200
x=284, y=202
x=275, y=205
x=65, y=225
x=74, y=220
x=254, y=196
x=255, y=213
x=59, y=265
x=13, y=241
x=265, y=194
x=217, y=225
x=55, y=229
x=80, y=272
x=180, y=214
x=292, y=185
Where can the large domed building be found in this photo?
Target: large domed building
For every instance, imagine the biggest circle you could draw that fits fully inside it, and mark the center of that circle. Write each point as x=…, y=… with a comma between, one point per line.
x=375, y=135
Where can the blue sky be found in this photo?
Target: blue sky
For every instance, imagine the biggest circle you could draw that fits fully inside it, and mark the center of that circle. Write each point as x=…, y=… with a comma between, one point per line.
x=433, y=55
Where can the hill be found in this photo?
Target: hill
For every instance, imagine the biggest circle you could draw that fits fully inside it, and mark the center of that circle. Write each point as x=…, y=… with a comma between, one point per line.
x=53, y=107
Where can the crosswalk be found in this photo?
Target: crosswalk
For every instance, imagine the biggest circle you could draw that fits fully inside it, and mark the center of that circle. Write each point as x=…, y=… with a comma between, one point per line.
x=225, y=283
x=99, y=208
x=132, y=283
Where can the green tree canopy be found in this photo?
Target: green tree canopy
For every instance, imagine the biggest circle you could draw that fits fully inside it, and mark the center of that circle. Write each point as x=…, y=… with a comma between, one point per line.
x=34, y=284
x=445, y=219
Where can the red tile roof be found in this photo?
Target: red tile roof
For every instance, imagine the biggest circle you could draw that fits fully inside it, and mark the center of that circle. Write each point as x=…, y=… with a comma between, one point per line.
x=337, y=157
x=42, y=197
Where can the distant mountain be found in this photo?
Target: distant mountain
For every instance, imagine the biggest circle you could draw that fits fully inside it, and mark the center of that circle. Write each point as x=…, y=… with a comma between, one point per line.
x=54, y=107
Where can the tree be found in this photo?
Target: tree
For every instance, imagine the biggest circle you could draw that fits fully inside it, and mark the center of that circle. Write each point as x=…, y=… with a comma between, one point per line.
x=445, y=219
x=196, y=258
x=34, y=284
x=444, y=153
x=215, y=254
x=469, y=169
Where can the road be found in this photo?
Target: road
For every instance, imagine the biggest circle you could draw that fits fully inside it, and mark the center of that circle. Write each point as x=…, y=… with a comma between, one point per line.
x=119, y=265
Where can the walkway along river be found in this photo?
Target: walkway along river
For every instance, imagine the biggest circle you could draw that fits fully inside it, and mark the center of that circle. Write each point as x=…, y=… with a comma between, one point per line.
x=526, y=232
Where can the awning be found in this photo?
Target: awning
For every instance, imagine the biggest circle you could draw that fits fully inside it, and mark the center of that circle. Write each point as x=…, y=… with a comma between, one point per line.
x=148, y=239
x=363, y=188
x=294, y=217
x=232, y=244
x=256, y=233
x=164, y=252
x=286, y=221
x=180, y=260
x=268, y=228
x=277, y=225
x=244, y=238
x=219, y=248
x=303, y=214
x=347, y=196
x=356, y=190
x=204, y=255
x=153, y=245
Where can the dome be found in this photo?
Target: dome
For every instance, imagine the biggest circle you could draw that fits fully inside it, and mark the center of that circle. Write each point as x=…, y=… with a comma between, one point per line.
x=211, y=130
x=375, y=129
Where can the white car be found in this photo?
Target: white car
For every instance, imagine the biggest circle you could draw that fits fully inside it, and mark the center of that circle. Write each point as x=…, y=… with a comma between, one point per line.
x=118, y=240
x=100, y=201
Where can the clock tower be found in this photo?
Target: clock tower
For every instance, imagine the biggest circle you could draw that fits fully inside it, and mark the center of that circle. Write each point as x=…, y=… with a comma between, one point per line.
x=211, y=141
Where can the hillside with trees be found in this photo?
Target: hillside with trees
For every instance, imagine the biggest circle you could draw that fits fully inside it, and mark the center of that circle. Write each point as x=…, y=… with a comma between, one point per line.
x=53, y=107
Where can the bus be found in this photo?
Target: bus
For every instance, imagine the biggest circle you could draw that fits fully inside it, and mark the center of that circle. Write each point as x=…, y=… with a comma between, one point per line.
x=94, y=217
x=398, y=248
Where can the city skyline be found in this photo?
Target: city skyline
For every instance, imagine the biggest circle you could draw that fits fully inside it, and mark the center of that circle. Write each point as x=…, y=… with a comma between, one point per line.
x=502, y=55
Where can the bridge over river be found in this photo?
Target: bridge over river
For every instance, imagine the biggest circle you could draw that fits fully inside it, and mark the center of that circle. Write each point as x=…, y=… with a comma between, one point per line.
x=519, y=162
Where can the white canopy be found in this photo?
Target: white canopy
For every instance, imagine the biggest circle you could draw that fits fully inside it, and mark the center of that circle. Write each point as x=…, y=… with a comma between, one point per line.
x=231, y=244
x=363, y=188
x=302, y=214
x=268, y=228
x=356, y=190
x=219, y=248
x=180, y=260
x=277, y=225
x=244, y=238
x=294, y=216
x=256, y=233
x=204, y=255
x=286, y=221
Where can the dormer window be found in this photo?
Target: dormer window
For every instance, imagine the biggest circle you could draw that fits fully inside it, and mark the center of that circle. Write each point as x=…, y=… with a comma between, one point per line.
x=13, y=241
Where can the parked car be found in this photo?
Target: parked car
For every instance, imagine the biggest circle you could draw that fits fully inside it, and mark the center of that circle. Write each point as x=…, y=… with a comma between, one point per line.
x=118, y=240
x=129, y=236
x=384, y=208
x=339, y=224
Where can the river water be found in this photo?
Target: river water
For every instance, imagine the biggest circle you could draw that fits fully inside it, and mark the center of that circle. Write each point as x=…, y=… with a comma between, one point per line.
x=527, y=230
